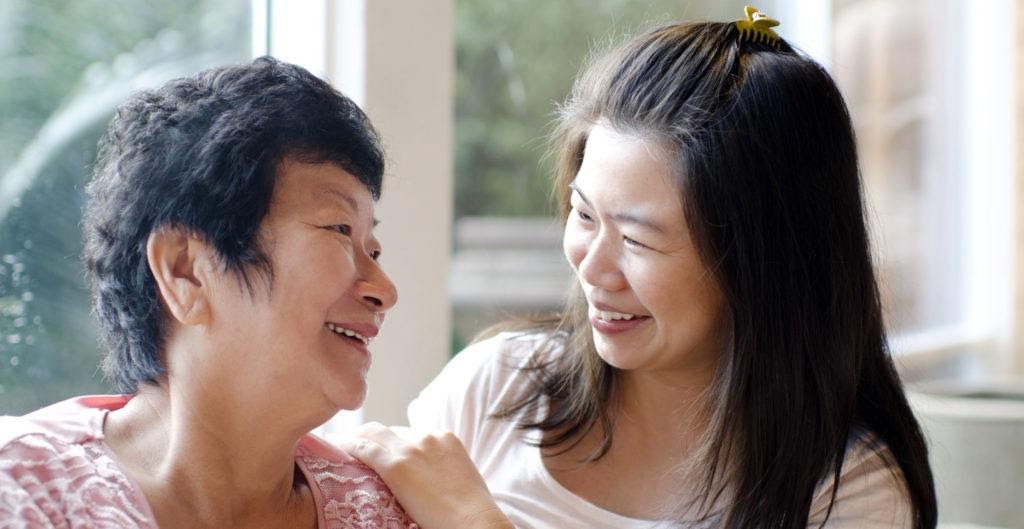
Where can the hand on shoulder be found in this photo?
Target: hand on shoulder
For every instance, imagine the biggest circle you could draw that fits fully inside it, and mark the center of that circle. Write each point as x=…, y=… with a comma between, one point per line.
x=431, y=475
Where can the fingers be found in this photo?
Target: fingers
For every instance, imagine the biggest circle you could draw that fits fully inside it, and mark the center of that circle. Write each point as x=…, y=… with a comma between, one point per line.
x=369, y=451
x=410, y=463
x=390, y=450
x=380, y=434
x=403, y=441
x=406, y=433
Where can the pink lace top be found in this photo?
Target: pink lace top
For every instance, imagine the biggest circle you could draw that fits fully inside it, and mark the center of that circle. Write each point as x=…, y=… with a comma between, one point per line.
x=56, y=470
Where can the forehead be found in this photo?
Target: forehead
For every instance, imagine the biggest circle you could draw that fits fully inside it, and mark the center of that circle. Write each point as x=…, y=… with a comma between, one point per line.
x=320, y=185
x=628, y=168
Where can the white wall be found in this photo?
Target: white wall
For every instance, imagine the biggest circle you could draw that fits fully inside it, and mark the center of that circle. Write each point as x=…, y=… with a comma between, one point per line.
x=401, y=71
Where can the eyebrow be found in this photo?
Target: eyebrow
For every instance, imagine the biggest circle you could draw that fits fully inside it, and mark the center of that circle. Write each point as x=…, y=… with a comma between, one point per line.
x=626, y=217
x=340, y=196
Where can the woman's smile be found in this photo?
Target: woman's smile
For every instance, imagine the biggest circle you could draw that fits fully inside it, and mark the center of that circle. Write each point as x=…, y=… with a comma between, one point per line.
x=607, y=320
x=351, y=338
x=627, y=240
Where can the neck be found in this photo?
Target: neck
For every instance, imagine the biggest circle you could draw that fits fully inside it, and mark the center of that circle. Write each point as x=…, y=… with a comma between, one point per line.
x=201, y=451
x=660, y=409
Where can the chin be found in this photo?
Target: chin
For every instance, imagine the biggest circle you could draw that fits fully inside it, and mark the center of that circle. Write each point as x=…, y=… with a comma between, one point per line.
x=349, y=395
x=352, y=402
x=618, y=363
x=615, y=356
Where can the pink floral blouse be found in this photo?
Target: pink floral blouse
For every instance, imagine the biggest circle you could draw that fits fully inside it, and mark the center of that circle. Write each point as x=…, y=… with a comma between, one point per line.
x=57, y=471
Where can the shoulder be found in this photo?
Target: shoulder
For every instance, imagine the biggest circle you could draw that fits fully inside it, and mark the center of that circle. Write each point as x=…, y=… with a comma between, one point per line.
x=350, y=494
x=502, y=354
x=57, y=431
x=482, y=378
x=42, y=437
x=54, y=467
x=872, y=492
x=502, y=362
x=74, y=420
x=27, y=455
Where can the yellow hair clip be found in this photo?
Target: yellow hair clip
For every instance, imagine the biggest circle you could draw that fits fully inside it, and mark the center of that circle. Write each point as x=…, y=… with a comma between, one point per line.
x=757, y=28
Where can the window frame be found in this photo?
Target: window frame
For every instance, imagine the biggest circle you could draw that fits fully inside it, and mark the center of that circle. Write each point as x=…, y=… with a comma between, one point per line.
x=983, y=171
x=362, y=48
x=980, y=178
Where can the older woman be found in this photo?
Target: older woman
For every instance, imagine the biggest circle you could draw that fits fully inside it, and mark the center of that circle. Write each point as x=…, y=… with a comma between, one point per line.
x=230, y=249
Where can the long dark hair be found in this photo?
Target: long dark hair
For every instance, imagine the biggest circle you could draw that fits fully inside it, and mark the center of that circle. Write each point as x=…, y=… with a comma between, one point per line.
x=767, y=168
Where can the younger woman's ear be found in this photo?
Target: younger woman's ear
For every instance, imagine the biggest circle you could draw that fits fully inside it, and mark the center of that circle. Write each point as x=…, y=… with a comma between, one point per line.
x=178, y=261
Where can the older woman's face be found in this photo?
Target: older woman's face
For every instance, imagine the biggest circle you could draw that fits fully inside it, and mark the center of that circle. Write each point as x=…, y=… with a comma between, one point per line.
x=653, y=304
x=307, y=337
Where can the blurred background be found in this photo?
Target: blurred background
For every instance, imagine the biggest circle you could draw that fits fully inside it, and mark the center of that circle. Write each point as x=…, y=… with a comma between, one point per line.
x=464, y=92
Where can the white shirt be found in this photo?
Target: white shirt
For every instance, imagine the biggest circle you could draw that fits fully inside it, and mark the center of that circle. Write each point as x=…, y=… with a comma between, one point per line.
x=486, y=376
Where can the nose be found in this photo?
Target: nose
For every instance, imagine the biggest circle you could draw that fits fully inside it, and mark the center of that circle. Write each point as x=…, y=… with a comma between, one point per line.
x=376, y=289
x=595, y=260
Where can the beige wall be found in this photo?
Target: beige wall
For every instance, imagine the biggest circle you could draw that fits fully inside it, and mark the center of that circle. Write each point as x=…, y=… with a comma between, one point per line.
x=405, y=59
x=1018, y=316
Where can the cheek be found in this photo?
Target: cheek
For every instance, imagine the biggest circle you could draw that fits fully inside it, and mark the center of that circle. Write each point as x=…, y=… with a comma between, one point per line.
x=574, y=245
x=692, y=299
x=325, y=262
x=665, y=285
x=649, y=281
x=716, y=306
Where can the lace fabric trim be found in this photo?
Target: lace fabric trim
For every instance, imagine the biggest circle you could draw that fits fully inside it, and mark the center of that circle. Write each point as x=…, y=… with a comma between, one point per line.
x=355, y=496
x=49, y=481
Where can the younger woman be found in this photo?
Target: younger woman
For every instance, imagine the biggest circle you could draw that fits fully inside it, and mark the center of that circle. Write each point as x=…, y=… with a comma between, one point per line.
x=722, y=361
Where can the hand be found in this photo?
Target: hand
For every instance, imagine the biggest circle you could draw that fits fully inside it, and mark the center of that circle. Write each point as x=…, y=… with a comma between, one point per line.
x=431, y=475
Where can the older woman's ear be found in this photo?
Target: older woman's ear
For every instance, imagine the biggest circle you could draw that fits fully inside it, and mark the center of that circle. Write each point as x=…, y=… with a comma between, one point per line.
x=180, y=263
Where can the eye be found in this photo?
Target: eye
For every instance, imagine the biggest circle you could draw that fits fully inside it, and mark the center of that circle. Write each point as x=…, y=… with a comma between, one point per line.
x=634, y=243
x=583, y=216
x=343, y=229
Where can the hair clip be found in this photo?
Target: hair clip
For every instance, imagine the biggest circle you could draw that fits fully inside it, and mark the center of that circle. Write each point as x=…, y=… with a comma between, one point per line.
x=757, y=28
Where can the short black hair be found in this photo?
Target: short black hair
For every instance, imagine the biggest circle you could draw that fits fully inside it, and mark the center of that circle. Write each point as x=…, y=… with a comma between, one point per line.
x=201, y=154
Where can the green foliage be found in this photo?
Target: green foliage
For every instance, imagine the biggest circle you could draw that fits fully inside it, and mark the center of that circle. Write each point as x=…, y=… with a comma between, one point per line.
x=54, y=53
x=516, y=60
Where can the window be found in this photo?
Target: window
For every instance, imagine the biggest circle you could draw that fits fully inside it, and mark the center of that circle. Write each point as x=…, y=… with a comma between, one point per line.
x=925, y=83
x=67, y=65
x=928, y=85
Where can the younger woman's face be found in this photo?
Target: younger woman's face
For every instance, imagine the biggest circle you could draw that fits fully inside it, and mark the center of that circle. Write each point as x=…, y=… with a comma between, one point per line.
x=654, y=306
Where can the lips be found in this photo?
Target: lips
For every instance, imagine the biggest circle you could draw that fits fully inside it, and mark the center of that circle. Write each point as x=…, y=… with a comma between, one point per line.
x=609, y=320
x=611, y=315
x=360, y=333
x=598, y=306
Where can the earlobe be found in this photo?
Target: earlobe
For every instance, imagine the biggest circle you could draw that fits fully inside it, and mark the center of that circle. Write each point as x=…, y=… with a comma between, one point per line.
x=175, y=258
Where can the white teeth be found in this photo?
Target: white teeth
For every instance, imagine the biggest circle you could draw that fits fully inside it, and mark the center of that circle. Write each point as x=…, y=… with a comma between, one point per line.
x=608, y=315
x=348, y=332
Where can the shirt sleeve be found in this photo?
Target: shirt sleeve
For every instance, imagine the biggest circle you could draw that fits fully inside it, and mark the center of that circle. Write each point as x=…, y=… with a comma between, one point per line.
x=18, y=507
x=474, y=384
x=872, y=493
x=453, y=400
x=26, y=495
